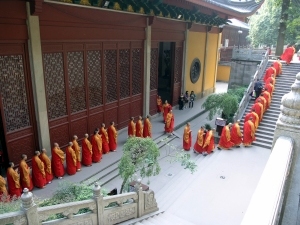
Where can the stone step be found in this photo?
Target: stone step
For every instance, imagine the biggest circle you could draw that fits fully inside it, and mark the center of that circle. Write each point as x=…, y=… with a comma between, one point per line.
x=266, y=141
x=262, y=145
x=263, y=131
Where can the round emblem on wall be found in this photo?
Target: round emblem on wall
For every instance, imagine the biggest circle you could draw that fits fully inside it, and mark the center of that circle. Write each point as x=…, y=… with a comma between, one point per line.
x=195, y=70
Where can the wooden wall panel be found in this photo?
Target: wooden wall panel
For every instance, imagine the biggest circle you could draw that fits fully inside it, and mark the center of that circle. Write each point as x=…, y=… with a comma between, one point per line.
x=124, y=114
x=95, y=121
x=153, y=103
x=79, y=127
x=111, y=115
x=60, y=135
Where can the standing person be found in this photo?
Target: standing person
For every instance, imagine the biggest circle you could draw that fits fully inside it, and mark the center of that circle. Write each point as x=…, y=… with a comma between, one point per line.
x=38, y=171
x=57, y=161
x=271, y=80
x=96, y=146
x=71, y=159
x=25, y=177
x=277, y=65
x=159, y=104
x=166, y=109
x=169, y=124
x=3, y=190
x=147, y=131
x=192, y=99
x=187, y=137
x=288, y=54
x=269, y=72
x=181, y=102
x=87, y=151
x=258, y=86
x=131, y=128
x=112, y=136
x=186, y=99
x=76, y=148
x=263, y=101
x=249, y=132
x=267, y=96
x=259, y=109
x=13, y=181
x=225, y=139
x=47, y=166
x=139, y=127
x=209, y=141
x=235, y=134
x=254, y=116
x=269, y=87
x=105, y=140
x=198, y=146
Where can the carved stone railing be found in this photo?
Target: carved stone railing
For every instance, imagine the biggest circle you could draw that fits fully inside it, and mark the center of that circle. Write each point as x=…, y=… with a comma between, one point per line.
x=128, y=206
x=247, y=54
x=266, y=203
x=247, y=96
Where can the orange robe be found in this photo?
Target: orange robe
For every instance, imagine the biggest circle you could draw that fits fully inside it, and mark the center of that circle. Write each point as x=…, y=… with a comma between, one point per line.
x=267, y=96
x=57, y=162
x=166, y=109
x=13, y=182
x=38, y=172
x=47, y=165
x=169, y=124
x=147, y=131
x=131, y=129
x=288, y=54
x=235, y=135
x=255, y=118
x=112, y=136
x=71, y=160
x=105, y=140
x=3, y=190
x=198, y=146
x=249, y=133
x=225, y=142
x=209, y=142
x=277, y=66
x=269, y=88
x=76, y=148
x=259, y=109
x=269, y=72
x=87, y=152
x=139, y=128
x=159, y=105
x=263, y=102
x=97, y=148
x=271, y=80
x=187, y=138
x=25, y=178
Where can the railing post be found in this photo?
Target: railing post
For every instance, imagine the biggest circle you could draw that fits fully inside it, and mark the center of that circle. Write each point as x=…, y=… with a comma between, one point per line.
x=141, y=201
x=99, y=203
x=29, y=207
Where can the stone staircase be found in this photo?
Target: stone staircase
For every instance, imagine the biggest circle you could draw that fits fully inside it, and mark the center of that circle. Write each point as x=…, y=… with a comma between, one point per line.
x=265, y=132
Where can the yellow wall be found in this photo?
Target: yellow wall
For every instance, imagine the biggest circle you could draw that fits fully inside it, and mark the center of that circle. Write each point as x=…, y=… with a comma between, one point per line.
x=223, y=73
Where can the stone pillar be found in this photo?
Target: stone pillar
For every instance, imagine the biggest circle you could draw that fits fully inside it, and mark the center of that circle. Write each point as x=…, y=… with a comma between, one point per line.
x=217, y=61
x=147, y=66
x=29, y=207
x=37, y=76
x=288, y=124
x=204, y=63
x=99, y=204
x=140, y=202
x=184, y=60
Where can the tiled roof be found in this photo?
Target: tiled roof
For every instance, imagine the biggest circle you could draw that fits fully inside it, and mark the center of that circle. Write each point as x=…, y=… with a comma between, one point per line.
x=238, y=23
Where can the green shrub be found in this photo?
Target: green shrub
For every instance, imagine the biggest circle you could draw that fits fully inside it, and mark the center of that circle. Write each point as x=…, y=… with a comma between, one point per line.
x=8, y=204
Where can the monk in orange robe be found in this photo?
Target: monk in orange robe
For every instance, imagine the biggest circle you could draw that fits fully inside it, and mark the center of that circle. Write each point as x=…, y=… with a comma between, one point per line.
x=198, y=146
x=139, y=127
x=131, y=128
x=187, y=137
x=209, y=141
x=249, y=132
x=38, y=171
x=159, y=104
x=105, y=140
x=71, y=159
x=254, y=116
x=267, y=96
x=271, y=80
x=263, y=101
x=269, y=72
x=235, y=134
x=57, y=161
x=288, y=54
x=13, y=181
x=87, y=151
x=147, y=131
x=97, y=147
x=277, y=65
x=169, y=124
x=225, y=139
x=112, y=136
x=259, y=109
x=25, y=177
x=269, y=88
x=47, y=165
x=77, y=151
x=166, y=109
x=3, y=190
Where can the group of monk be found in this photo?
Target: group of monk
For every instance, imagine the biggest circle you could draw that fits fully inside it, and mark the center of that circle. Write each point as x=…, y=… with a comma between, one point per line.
x=168, y=116
x=139, y=129
x=288, y=54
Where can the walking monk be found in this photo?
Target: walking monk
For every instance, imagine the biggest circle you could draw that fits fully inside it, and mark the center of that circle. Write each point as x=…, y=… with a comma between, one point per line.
x=105, y=140
x=71, y=159
x=249, y=132
x=13, y=181
x=159, y=104
x=166, y=109
x=259, y=109
x=169, y=124
x=187, y=137
x=139, y=127
x=263, y=101
x=269, y=87
x=87, y=151
x=25, y=177
x=235, y=134
x=198, y=146
x=112, y=136
x=96, y=146
x=277, y=65
x=267, y=96
x=131, y=127
x=3, y=190
x=47, y=166
x=209, y=141
x=254, y=116
x=225, y=140
x=38, y=171
x=147, y=131
x=269, y=72
x=76, y=148
x=288, y=54
x=57, y=161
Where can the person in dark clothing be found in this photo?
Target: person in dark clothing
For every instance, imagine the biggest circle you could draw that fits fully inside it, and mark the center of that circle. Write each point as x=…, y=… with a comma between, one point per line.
x=181, y=102
x=258, y=86
x=192, y=99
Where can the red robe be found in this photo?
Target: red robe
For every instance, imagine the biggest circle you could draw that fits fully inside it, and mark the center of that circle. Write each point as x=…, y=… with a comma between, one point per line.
x=235, y=135
x=147, y=131
x=13, y=182
x=169, y=124
x=225, y=142
x=87, y=152
x=271, y=80
x=112, y=136
x=263, y=101
x=198, y=146
x=259, y=109
x=288, y=54
x=267, y=96
x=131, y=129
x=159, y=104
x=166, y=109
x=105, y=140
x=187, y=138
x=25, y=178
x=269, y=88
x=139, y=128
x=77, y=151
x=249, y=133
x=277, y=65
x=209, y=142
x=97, y=148
x=38, y=172
x=57, y=162
x=71, y=161
x=269, y=72
x=47, y=166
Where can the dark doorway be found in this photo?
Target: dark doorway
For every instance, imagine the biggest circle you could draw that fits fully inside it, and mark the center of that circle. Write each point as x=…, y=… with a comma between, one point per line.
x=165, y=70
x=3, y=150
